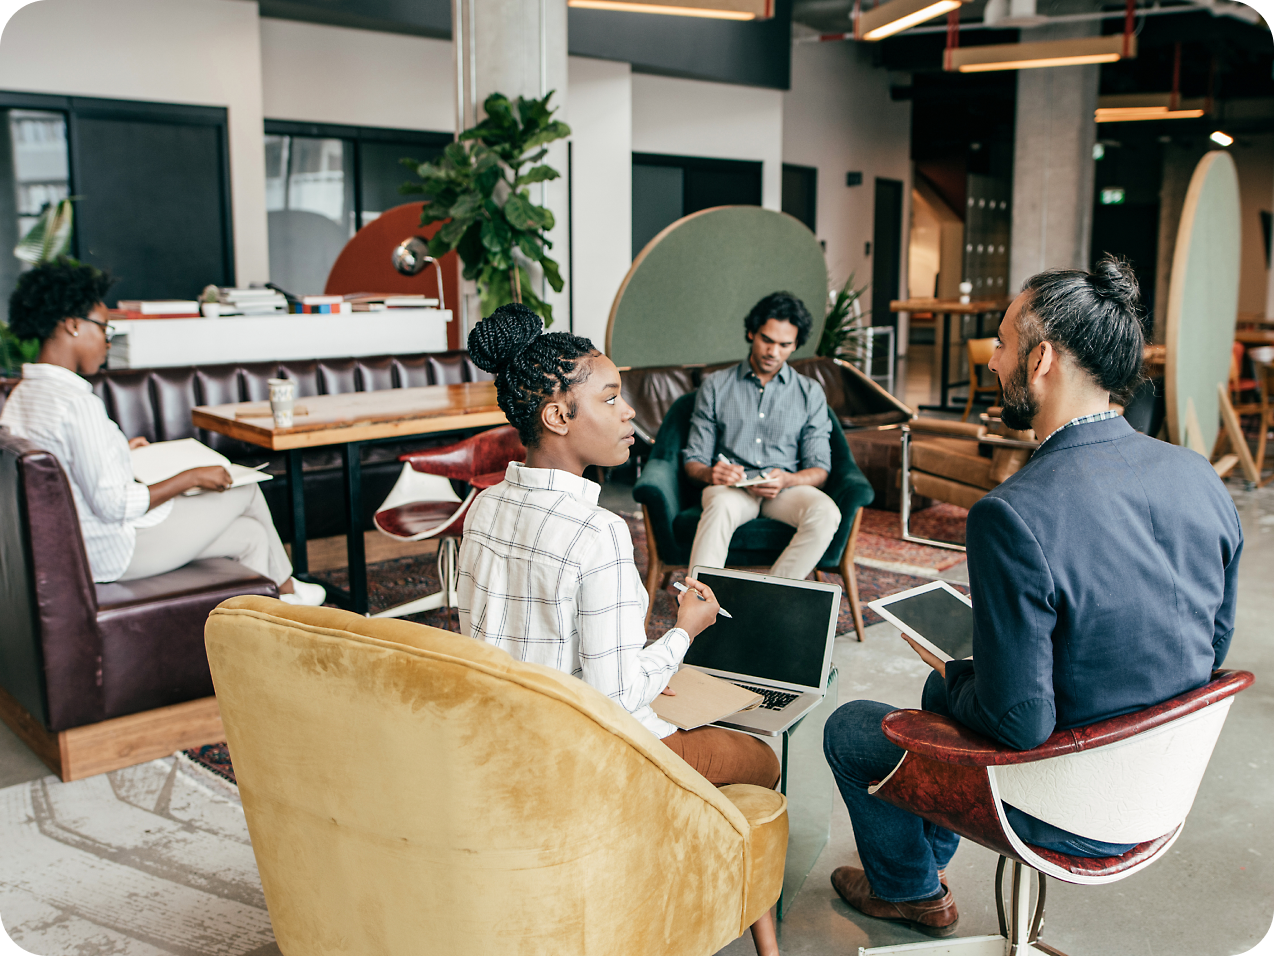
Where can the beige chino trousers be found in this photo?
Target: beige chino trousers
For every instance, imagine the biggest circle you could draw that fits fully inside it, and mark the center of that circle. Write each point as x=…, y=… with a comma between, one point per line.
x=232, y=524
x=814, y=516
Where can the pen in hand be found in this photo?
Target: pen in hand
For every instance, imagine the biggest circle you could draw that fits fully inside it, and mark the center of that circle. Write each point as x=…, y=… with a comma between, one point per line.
x=681, y=587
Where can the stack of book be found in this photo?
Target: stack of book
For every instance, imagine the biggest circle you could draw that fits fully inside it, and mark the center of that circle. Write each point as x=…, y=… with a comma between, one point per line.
x=252, y=302
x=323, y=304
x=155, y=309
x=380, y=301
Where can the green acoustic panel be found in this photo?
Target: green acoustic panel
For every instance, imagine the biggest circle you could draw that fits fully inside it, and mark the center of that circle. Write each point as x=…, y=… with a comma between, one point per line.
x=686, y=295
x=1203, y=301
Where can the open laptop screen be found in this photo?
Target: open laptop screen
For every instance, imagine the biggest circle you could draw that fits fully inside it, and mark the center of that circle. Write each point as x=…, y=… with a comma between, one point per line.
x=778, y=632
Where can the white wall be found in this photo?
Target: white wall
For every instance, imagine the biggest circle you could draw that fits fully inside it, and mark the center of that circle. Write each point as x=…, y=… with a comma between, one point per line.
x=323, y=74
x=716, y=120
x=203, y=52
x=602, y=193
x=838, y=117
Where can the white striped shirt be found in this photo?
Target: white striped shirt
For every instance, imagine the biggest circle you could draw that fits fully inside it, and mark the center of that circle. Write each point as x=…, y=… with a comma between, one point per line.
x=548, y=576
x=56, y=409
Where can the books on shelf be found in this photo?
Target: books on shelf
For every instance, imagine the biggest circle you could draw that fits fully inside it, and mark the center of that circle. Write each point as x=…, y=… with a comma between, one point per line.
x=155, y=309
x=252, y=301
x=380, y=301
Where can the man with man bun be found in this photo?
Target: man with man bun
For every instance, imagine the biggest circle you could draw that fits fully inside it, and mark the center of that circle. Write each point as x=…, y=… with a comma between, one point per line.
x=1103, y=578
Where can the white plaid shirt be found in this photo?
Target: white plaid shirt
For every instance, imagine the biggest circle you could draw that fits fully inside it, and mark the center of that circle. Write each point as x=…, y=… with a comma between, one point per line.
x=1082, y=420
x=548, y=575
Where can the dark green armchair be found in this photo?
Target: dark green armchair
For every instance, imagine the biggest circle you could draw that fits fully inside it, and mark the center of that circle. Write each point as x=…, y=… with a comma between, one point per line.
x=670, y=503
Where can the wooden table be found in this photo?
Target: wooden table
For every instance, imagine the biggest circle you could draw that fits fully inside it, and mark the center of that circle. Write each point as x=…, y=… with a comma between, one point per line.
x=946, y=308
x=1255, y=336
x=350, y=420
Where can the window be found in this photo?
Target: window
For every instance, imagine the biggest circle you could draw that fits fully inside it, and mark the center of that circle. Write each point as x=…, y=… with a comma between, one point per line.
x=323, y=183
x=150, y=183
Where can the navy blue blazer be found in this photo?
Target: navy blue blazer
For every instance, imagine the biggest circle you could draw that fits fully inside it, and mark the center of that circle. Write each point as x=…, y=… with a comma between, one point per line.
x=1103, y=578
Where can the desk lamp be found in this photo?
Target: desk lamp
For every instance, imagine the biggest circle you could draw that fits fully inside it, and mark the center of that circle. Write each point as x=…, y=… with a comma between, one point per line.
x=411, y=256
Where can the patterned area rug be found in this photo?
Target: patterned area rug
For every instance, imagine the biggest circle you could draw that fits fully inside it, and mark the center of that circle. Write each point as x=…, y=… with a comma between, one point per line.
x=880, y=539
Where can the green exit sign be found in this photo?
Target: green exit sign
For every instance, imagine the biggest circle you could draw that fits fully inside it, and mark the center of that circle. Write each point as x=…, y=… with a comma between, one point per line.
x=1112, y=196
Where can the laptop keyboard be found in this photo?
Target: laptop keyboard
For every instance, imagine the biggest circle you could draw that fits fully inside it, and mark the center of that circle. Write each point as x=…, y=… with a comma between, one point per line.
x=774, y=699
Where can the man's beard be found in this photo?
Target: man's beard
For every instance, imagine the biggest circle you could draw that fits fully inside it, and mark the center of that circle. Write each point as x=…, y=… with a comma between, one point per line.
x=1019, y=406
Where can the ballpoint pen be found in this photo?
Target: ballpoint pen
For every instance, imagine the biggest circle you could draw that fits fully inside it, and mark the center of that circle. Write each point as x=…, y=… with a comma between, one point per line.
x=681, y=587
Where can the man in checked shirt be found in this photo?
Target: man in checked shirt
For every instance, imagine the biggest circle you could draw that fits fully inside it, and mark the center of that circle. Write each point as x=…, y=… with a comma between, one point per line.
x=758, y=418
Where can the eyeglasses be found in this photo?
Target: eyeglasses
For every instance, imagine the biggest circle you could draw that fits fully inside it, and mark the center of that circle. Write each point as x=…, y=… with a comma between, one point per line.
x=107, y=329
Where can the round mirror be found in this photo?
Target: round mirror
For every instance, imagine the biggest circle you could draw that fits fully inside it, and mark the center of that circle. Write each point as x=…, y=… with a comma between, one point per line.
x=411, y=256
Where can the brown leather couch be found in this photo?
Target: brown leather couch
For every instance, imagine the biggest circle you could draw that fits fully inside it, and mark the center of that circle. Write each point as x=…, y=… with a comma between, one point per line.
x=74, y=654
x=855, y=400
x=99, y=676
x=156, y=403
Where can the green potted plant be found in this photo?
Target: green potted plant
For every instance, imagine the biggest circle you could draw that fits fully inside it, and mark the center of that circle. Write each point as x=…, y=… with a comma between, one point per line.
x=844, y=335
x=44, y=242
x=481, y=185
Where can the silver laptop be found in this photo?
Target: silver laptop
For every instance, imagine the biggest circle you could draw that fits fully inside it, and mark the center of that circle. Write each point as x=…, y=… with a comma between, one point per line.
x=778, y=643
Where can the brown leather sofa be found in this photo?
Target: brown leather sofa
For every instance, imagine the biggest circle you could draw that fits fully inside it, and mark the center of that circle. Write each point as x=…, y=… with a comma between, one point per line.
x=855, y=400
x=156, y=403
x=99, y=676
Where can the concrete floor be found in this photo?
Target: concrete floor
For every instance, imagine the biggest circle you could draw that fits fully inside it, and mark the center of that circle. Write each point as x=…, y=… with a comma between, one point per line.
x=1213, y=894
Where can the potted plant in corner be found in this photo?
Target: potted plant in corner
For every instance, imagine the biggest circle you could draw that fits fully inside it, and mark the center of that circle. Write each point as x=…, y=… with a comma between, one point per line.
x=481, y=185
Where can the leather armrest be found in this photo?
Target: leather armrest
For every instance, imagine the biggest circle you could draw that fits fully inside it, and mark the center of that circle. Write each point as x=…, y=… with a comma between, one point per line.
x=944, y=739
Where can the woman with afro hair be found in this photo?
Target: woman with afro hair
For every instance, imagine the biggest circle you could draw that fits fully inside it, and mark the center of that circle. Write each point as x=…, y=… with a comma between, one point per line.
x=130, y=530
x=548, y=575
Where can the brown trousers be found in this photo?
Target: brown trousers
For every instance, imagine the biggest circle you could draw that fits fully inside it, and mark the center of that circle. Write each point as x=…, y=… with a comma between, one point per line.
x=726, y=756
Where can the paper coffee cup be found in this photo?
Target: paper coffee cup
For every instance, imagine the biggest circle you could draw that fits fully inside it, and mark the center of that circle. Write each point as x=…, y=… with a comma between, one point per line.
x=282, y=400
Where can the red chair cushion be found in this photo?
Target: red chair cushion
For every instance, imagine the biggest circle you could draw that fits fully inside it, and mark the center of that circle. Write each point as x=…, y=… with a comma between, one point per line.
x=480, y=454
x=482, y=482
x=1105, y=865
x=418, y=517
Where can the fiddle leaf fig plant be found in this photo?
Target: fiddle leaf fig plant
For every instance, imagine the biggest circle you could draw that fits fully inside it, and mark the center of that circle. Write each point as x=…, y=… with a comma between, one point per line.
x=480, y=188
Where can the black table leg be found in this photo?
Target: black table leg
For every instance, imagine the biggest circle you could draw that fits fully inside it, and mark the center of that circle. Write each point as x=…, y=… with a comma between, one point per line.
x=296, y=487
x=946, y=359
x=353, y=467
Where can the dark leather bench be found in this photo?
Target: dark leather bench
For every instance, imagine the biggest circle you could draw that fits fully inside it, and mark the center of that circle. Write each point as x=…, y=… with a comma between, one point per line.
x=99, y=676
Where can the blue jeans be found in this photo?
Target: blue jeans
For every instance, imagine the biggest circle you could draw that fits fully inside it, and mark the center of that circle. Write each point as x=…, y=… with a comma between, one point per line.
x=901, y=852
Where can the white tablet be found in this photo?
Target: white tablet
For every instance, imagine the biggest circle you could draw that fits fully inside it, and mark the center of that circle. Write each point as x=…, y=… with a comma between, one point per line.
x=936, y=615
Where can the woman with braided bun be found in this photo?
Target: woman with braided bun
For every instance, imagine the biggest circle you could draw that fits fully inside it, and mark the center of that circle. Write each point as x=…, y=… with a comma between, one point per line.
x=548, y=575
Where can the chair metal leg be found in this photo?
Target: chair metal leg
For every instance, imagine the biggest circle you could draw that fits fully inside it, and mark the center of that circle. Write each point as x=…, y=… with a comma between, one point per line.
x=444, y=597
x=905, y=504
x=1020, y=924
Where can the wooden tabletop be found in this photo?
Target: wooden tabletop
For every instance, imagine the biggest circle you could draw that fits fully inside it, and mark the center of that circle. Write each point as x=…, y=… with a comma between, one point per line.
x=954, y=306
x=358, y=416
x=1255, y=336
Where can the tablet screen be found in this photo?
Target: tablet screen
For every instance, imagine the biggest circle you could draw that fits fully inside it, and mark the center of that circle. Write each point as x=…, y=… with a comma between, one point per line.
x=939, y=617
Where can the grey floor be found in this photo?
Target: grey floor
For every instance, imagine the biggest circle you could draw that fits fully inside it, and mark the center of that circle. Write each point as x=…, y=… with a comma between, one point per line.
x=1214, y=894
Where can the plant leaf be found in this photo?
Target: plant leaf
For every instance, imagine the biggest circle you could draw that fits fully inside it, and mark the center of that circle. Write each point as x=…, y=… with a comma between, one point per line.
x=552, y=273
x=537, y=174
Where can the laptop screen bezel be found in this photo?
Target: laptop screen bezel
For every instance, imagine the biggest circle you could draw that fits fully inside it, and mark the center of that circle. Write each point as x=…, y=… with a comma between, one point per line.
x=828, y=641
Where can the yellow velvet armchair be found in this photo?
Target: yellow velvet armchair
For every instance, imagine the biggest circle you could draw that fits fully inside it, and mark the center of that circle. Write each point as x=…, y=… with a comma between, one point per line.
x=408, y=790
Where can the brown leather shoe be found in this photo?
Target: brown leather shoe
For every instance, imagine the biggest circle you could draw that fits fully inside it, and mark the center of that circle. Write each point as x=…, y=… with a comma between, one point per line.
x=932, y=917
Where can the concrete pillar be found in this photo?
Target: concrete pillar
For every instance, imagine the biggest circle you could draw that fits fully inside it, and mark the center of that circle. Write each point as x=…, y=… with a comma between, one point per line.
x=518, y=48
x=1053, y=163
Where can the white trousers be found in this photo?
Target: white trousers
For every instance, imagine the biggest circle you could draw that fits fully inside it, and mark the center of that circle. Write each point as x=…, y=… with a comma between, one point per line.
x=232, y=524
x=814, y=516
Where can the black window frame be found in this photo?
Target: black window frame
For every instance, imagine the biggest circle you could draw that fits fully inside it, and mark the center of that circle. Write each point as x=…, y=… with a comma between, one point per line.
x=179, y=114
x=357, y=135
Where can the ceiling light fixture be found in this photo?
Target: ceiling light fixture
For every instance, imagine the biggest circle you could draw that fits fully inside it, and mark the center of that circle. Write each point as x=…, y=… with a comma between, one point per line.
x=1030, y=56
x=898, y=15
x=1221, y=139
x=1132, y=114
x=710, y=9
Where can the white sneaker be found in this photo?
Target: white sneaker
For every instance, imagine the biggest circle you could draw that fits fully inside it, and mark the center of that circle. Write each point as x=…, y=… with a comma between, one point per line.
x=303, y=594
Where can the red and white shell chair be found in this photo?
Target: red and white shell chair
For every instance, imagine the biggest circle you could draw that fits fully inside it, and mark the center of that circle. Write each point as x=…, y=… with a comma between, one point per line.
x=423, y=503
x=1129, y=779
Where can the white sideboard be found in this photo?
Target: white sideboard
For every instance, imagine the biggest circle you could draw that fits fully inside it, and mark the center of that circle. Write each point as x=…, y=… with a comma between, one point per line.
x=153, y=343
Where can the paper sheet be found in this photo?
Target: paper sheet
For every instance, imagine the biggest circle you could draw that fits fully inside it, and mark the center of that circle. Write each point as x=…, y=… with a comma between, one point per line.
x=701, y=699
x=161, y=460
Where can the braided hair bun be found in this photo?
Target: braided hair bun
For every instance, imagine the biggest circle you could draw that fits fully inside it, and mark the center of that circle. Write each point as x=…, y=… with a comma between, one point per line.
x=531, y=366
x=503, y=335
